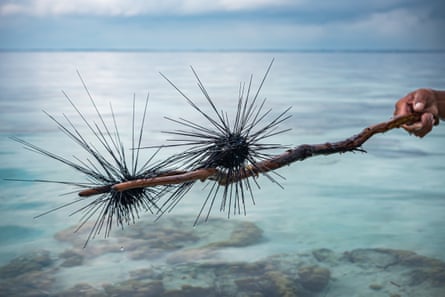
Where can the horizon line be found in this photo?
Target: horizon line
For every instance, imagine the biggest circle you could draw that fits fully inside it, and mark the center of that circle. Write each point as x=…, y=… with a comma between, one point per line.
x=322, y=50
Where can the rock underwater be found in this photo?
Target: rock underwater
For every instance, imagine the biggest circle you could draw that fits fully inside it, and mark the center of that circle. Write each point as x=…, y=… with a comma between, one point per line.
x=171, y=258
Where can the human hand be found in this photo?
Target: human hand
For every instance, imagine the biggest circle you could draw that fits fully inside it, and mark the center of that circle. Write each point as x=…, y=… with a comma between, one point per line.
x=424, y=101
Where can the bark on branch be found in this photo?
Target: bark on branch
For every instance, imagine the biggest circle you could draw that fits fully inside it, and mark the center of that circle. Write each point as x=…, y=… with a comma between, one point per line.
x=298, y=153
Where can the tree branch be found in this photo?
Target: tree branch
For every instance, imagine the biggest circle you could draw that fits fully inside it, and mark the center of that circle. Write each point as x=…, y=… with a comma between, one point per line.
x=298, y=153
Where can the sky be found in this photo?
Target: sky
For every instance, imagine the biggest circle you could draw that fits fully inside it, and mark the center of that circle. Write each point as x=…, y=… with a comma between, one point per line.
x=222, y=24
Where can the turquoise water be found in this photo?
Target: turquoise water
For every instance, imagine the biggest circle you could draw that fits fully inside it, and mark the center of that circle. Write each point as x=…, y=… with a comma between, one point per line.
x=392, y=197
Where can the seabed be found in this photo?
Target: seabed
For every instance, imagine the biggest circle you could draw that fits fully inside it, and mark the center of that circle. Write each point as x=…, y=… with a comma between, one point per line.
x=170, y=258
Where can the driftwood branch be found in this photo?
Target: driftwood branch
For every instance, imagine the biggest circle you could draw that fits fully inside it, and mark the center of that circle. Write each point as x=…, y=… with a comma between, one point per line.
x=298, y=153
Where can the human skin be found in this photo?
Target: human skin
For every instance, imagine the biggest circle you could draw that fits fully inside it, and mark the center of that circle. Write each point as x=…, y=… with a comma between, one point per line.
x=430, y=103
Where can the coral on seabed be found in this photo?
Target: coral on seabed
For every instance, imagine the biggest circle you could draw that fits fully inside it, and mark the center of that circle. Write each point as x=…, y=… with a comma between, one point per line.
x=35, y=261
x=81, y=290
x=135, y=288
x=196, y=262
x=71, y=258
x=243, y=234
x=29, y=275
x=314, y=278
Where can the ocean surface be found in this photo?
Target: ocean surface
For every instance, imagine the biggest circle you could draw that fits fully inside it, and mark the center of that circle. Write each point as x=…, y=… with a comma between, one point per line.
x=392, y=197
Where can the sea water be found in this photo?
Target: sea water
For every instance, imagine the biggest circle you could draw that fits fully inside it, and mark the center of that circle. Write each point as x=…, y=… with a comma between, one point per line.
x=390, y=197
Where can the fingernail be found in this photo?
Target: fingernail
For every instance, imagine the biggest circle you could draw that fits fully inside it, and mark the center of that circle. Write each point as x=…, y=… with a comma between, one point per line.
x=418, y=106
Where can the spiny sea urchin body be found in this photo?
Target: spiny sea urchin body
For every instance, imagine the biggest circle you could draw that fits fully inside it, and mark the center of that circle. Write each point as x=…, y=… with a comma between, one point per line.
x=231, y=146
x=230, y=151
x=109, y=163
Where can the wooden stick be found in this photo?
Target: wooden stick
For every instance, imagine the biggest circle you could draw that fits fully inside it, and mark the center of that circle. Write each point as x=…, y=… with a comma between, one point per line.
x=305, y=151
x=298, y=153
x=180, y=178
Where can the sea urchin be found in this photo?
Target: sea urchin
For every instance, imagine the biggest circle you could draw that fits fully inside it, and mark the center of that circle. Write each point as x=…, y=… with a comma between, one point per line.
x=231, y=146
x=107, y=165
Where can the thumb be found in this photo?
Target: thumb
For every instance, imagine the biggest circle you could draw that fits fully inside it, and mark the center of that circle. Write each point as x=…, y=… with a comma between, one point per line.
x=418, y=106
x=420, y=100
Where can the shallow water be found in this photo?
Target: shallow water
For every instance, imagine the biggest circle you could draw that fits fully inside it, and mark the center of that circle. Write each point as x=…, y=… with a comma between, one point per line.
x=391, y=197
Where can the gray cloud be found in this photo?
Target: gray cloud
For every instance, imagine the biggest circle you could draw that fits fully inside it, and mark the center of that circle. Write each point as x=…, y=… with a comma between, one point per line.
x=134, y=7
x=222, y=24
x=196, y=7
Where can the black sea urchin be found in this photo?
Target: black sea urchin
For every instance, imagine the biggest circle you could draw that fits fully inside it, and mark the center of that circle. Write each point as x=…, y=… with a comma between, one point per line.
x=231, y=146
x=108, y=164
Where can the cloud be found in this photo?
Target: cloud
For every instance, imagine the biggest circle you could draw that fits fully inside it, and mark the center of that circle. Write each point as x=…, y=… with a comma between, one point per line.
x=391, y=23
x=403, y=27
x=222, y=24
x=79, y=7
x=193, y=7
x=134, y=7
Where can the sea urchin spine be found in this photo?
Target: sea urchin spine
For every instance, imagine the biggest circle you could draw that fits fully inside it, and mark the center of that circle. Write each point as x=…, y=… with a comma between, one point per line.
x=108, y=165
x=230, y=146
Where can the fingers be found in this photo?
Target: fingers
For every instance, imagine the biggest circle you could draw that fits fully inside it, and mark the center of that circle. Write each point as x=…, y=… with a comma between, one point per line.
x=426, y=102
x=421, y=98
x=420, y=101
x=404, y=105
x=423, y=127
